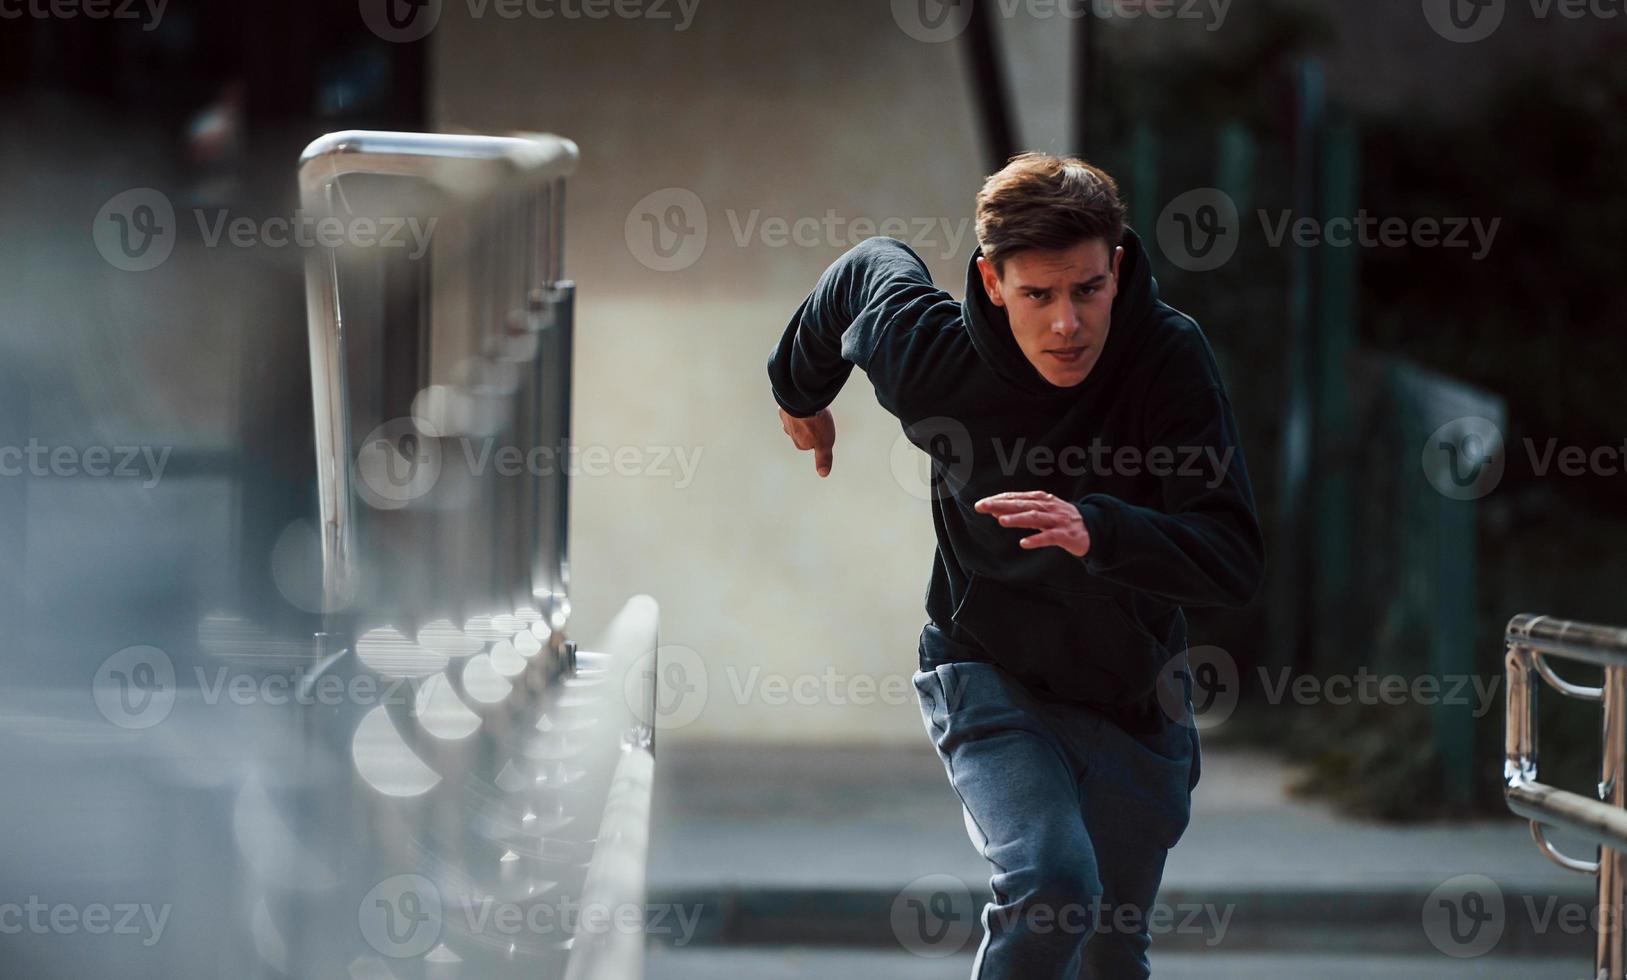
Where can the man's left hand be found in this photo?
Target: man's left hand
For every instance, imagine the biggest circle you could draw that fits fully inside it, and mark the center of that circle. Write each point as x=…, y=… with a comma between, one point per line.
x=1057, y=521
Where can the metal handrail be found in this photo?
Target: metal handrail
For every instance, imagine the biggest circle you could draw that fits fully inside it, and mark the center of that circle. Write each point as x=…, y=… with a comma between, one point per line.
x=516, y=775
x=1529, y=640
x=510, y=171
x=452, y=160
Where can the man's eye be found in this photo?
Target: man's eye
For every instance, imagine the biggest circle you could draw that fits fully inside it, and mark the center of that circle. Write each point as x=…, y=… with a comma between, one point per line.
x=1035, y=294
x=1086, y=291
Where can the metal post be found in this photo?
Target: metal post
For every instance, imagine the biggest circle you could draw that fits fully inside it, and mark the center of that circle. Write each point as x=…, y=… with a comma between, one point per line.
x=1611, y=960
x=990, y=93
x=1520, y=719
x=1083, y=63
x=1288, y=629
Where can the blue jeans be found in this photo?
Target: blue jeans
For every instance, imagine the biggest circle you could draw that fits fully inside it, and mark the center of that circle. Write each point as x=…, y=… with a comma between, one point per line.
x=1074, y=814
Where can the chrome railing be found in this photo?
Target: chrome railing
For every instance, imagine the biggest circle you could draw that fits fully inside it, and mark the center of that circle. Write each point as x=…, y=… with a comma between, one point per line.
x=1530, y=642
x=452, y=831
x=489, y=348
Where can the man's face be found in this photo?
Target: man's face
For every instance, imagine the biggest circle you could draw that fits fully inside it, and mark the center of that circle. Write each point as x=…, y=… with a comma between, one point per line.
x=1060, y=305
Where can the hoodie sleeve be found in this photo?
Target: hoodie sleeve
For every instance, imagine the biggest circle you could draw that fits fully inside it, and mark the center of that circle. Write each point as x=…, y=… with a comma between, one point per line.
x=1203, y=546
x=876, y=293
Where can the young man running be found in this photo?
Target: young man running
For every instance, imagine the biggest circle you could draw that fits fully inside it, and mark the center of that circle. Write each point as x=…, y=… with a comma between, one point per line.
x=1088, y=485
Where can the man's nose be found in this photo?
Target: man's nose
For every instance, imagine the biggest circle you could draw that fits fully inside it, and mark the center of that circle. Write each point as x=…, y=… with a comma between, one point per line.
x=1067, y=321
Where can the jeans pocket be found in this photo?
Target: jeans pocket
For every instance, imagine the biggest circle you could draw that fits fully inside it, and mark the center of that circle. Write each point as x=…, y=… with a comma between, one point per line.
x=975, y=699
x=926, y=692
x=1143, y=780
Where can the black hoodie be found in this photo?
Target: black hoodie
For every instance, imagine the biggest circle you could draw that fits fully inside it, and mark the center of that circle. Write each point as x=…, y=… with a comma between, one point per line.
x=1146, y=447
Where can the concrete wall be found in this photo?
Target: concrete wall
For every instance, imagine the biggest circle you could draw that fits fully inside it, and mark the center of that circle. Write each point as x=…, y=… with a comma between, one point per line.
x=758, y=110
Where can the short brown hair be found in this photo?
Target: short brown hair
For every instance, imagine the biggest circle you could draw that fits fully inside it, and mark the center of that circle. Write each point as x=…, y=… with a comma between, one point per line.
x=1049, y=202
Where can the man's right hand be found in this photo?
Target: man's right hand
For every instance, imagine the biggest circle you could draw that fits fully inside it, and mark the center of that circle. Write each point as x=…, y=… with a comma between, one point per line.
x=817, y=432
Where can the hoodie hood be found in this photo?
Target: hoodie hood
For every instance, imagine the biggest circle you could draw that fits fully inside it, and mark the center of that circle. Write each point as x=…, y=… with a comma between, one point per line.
x=990, y=327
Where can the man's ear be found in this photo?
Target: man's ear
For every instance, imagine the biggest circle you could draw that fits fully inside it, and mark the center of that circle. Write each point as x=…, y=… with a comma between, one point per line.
x=991, y=280
x=1118, y=259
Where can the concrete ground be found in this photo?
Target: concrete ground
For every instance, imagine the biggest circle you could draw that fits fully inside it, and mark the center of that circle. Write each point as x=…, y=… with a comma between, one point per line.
x=812, y=964
x=780, y=848
x=841, y=817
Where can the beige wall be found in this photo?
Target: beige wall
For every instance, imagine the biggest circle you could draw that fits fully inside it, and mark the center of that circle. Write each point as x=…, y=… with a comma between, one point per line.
x=781, y=107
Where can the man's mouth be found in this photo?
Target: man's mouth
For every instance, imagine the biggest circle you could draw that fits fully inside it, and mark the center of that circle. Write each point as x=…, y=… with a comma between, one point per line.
x=1068, y=355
